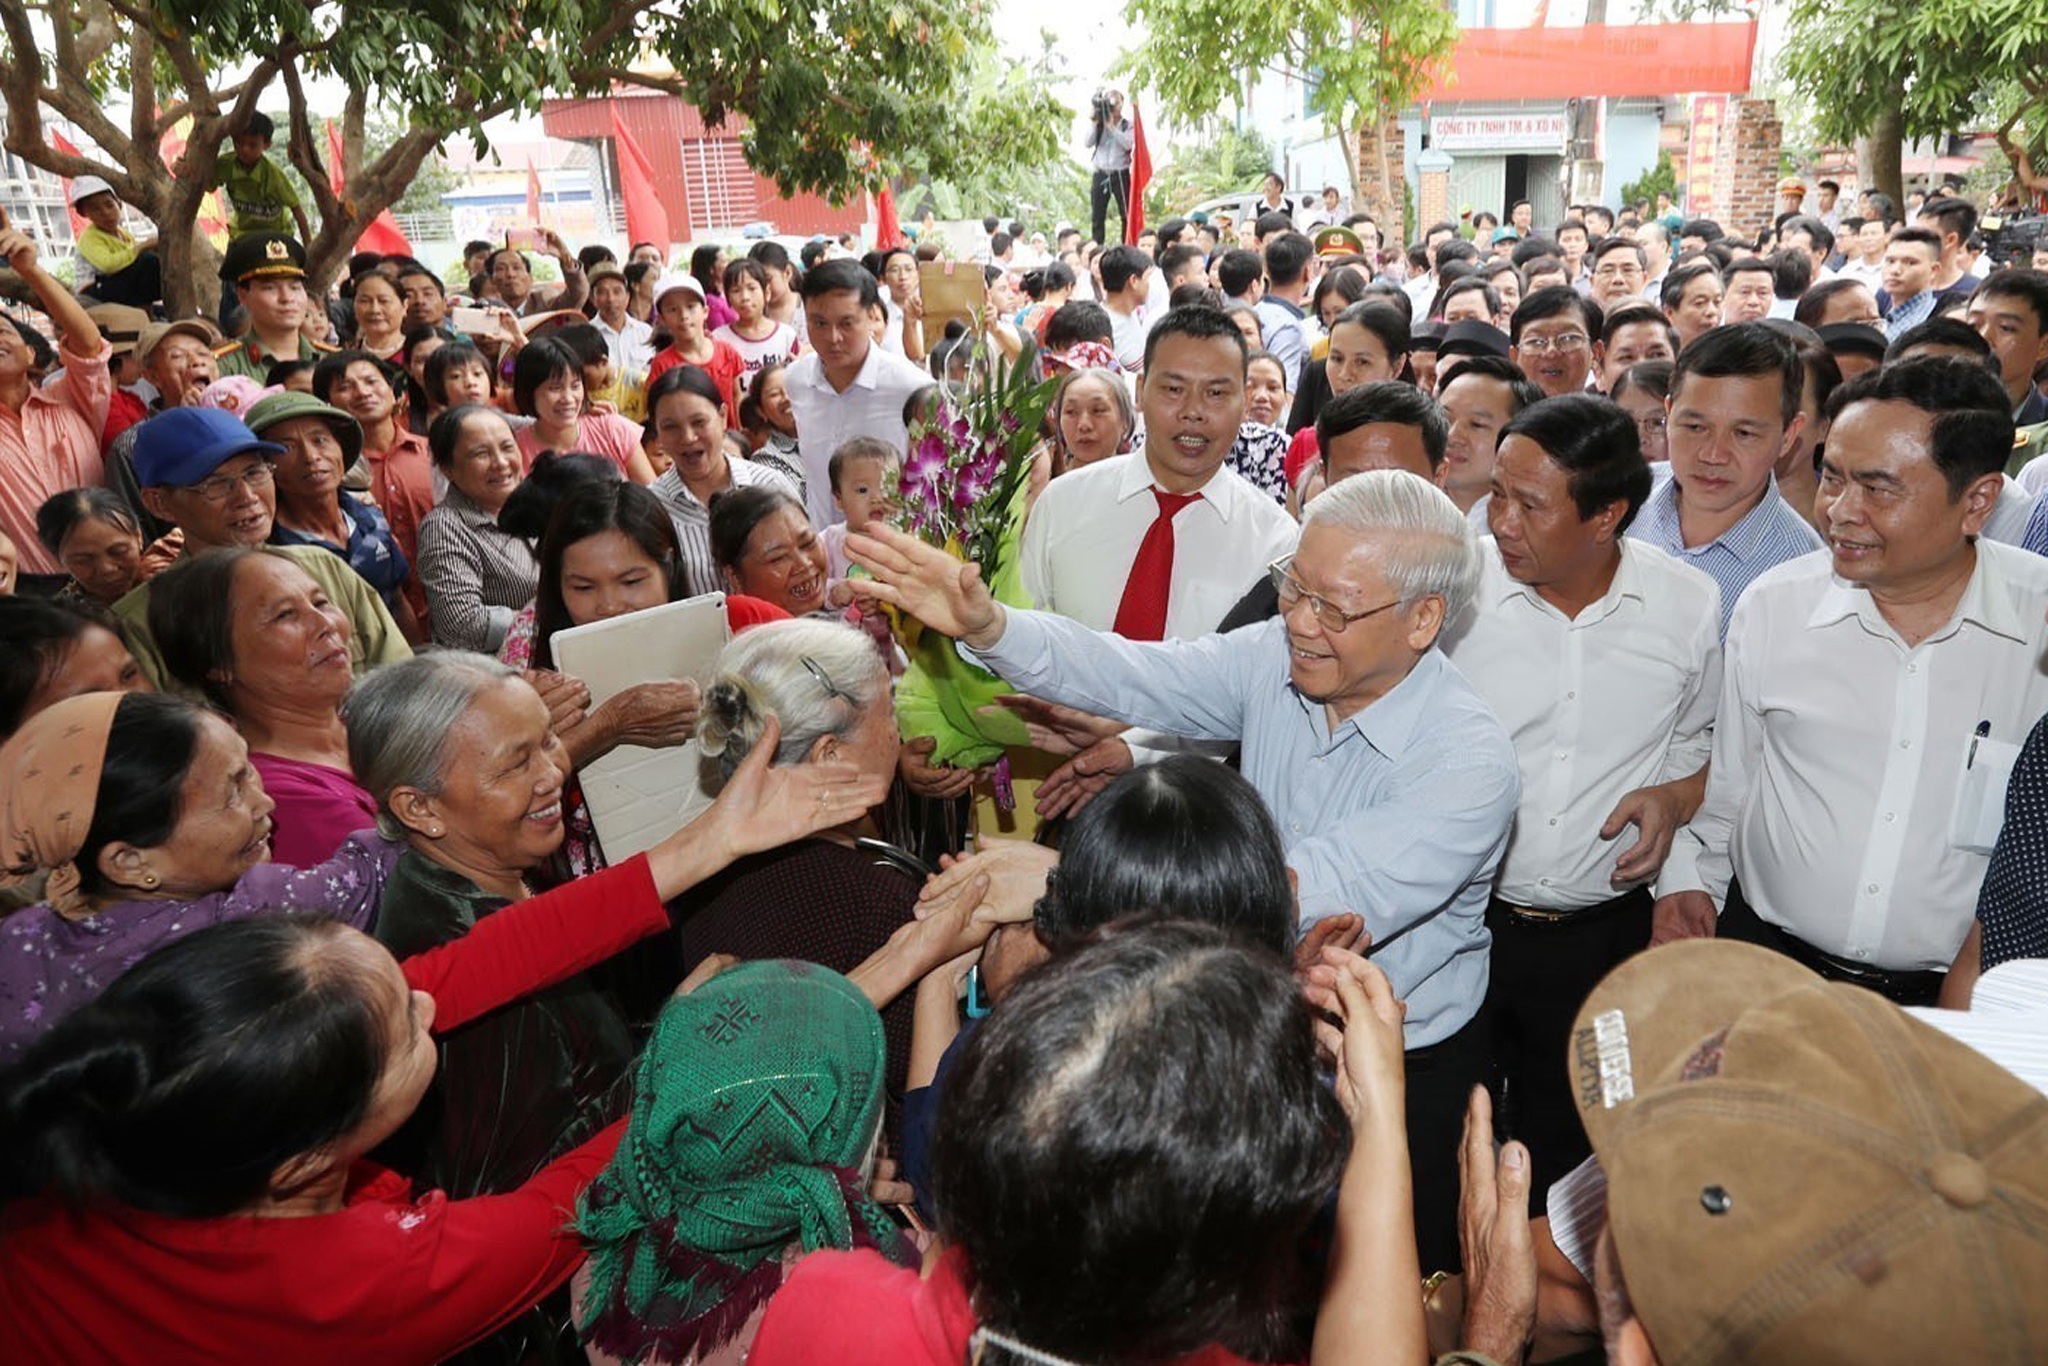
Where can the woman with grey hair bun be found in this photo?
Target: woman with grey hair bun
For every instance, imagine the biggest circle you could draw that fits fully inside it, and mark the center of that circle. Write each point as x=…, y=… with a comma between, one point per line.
x=837, y=897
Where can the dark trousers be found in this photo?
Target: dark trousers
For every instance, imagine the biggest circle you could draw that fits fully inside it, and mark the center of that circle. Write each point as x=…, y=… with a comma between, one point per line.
x=141, y=285
x=1543, y=970
x=1440, y=1081
x=1107, y=185
x=1739, y=921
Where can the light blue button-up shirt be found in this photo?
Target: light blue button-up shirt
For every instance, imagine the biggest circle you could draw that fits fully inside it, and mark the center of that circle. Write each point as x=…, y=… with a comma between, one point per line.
x=1401, y=814
x=1768, y=535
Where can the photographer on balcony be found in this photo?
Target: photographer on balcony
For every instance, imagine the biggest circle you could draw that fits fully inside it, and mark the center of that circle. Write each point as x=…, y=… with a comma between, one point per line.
x=1109, y=153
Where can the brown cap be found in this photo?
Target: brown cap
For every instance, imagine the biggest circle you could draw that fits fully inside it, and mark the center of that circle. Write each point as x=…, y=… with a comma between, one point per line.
x=120, y=324
x=153, y=335
x=1799, y=1171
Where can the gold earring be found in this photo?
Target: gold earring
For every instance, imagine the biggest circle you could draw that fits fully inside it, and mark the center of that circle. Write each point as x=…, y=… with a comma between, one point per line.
x=149, y=880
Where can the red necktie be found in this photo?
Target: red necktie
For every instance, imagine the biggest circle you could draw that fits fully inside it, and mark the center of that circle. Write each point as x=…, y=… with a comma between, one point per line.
x=1142, y=613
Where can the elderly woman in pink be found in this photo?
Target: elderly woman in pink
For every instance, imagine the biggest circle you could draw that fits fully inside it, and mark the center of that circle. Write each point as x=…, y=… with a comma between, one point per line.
x=49, y=435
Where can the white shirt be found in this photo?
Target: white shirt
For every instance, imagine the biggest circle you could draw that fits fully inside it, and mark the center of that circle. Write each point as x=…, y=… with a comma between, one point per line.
x=825, y=418
x=1127, y=333
x=1862, y=272
x=1084, y=532
x=1619, y=697
x=692, y=519
x=631, y=347
x=2008, y=520
x=2033, y=476
x=1838, y=752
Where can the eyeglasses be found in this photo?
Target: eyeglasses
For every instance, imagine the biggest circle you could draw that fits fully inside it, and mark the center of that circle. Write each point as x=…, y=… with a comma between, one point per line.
x=1332, y=617
x=1650, y=424
x=222, y=487
x=1565, y=343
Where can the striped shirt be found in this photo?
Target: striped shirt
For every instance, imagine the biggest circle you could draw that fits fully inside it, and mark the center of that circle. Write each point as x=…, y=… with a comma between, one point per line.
x=1769, y=535
x=476, y=574
x=693, y=519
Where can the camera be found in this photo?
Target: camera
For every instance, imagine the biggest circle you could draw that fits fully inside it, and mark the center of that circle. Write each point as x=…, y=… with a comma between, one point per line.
x=1105, y=105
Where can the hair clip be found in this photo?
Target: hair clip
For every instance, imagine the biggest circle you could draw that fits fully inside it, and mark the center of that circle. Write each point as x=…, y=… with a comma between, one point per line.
x=831, y=689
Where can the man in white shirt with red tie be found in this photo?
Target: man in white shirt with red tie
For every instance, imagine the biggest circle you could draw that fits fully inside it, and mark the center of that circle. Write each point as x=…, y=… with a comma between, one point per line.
x=1159, y=544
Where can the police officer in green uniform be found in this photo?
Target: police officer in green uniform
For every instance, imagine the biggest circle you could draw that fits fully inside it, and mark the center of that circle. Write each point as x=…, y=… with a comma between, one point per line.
x=269, y=274
x=2027, y=443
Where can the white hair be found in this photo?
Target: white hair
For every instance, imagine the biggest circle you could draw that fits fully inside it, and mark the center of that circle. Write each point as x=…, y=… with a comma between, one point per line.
x=1429, y=548
x=818, y=677
x=399, y=718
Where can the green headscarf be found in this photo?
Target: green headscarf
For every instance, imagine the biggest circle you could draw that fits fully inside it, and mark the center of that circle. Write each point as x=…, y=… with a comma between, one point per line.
x=758, y=1098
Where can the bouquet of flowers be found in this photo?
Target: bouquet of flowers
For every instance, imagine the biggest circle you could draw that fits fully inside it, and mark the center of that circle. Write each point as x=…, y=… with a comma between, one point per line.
x=964, y=490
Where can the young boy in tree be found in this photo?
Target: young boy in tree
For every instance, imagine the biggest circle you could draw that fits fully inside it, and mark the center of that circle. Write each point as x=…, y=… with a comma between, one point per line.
x=260, y=198
x=125, y=269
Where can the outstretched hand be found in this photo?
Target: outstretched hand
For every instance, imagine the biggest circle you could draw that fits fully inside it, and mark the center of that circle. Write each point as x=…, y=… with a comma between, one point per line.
x=762, y=807
x=938, y=589
x=1494, y=1233
x=1367, y=1046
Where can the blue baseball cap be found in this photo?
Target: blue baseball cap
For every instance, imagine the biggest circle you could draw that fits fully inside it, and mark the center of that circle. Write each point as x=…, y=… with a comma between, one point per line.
x=182, y=446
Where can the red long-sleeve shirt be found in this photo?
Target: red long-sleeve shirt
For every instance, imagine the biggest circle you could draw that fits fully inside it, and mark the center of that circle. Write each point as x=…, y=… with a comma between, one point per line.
x=392, y=1278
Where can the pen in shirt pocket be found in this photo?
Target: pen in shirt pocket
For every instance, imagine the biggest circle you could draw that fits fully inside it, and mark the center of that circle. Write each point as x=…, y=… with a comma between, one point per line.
x=1982, y=732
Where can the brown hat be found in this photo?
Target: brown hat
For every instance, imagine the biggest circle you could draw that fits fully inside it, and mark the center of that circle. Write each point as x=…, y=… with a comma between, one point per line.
x=153, y=335
x=120, y=324
x=1799, y=1171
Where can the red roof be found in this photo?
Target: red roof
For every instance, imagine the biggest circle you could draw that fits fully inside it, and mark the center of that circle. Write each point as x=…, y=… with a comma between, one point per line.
x=1615, y=60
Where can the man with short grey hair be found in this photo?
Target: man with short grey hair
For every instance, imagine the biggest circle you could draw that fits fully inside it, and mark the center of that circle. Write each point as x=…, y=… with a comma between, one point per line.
x=1392, y=783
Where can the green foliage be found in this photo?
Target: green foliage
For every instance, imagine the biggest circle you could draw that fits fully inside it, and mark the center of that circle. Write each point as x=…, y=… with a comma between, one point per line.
x=835, y=93
x=1942, y=65
x=1364, y=56
x=1230, y=162
x=1659, y=179
x=1014, y=163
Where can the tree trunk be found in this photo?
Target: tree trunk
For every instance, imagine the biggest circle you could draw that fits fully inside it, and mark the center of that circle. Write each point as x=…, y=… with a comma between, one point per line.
x=1884, y=151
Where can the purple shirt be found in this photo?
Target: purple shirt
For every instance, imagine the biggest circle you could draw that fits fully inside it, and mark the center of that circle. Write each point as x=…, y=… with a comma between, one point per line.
x=50, y=966
x=317, y=808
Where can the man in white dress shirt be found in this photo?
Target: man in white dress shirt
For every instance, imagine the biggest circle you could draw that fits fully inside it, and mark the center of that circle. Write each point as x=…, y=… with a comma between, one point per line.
x=845, y=385
x=1873, y=696
x=1086, y=532
x=1602, y=657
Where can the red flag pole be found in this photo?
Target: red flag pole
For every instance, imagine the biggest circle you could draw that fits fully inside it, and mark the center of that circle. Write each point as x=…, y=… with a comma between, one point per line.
x=1141, y=176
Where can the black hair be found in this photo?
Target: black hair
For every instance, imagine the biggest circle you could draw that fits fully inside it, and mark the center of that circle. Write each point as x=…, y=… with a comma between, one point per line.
x=1346, y=282
x=689, y=379
x=412, y=268
x=197, y=1072
x=1271, y=224
x=1179, y=255
x=36, y=636
x=1394, y=401
x=1193, y=292
x=1939, y=331
x=1706, y=229
x=454, y=356
x=1467, y=284
x=1455, y=252
x=589, y=509
x=1594, y=441
x=1652, y=377
x=1744, y=350
x=62, y=512
x=1120, y=265
x=140, y=798
x=1522, y=391
x=1287, y=258
x=555, y=474
x=1133, y=1146
x=1632, y=313
x=1554, y=301
x=1534, y=248
x=282, y=372
x=1926, y=237
x=538, y=363
x=745, y=268
x=1238, y=269
x=583, y=341
x=769, y=253
x=192, y=619
x=1823, y=236
x=1613, y=244
x=1382, y=322
x=329, y=370
x=1744, y=264
x=1971, y=430
x=2030, y=287
x=734, y=515
x=446, y=430
x=703, y=265
x=1577, y=225
x=1200, y=322
x=1185, y=838
x=260, y=124
x=1391, y=294
x=1679, y=276
x=1077, y=321
x=840, y=277
x=1955, y=214
x=1814, y=302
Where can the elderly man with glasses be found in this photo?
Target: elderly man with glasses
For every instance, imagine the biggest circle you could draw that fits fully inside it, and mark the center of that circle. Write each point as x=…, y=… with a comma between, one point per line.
x=203, y=471
x=1392, y=783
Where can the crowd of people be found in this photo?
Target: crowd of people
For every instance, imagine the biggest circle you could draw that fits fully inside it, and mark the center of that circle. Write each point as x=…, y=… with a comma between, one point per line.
x=1528, y=766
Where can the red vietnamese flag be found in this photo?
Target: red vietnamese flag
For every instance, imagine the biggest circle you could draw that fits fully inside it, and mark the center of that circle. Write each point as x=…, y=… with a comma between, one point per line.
x=63, y=144
x=382, y=234
x=888, y=228
x=1141, y=176
x=646, y=219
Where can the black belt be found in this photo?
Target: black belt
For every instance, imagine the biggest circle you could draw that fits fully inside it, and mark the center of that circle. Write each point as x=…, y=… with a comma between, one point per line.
x=1545, y=918
x=1907, y=988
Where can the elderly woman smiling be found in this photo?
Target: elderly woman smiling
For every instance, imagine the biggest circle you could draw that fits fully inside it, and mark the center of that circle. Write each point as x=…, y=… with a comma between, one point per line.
x=476, y=574
x=184, y=1161
x=252, y=631
x=457, y=751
